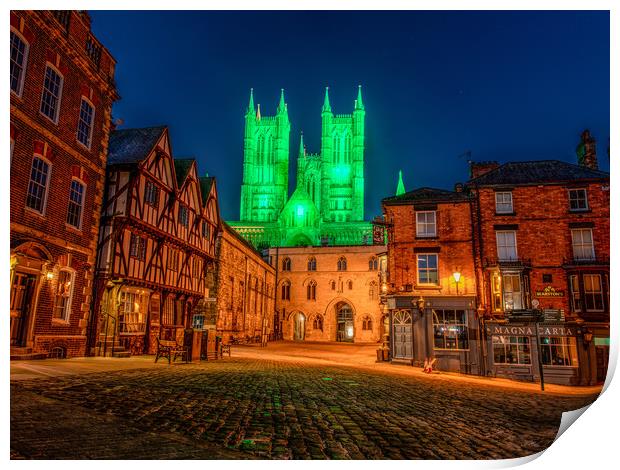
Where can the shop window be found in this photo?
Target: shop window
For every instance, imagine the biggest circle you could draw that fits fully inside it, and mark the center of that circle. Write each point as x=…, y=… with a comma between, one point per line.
x=583, y=246
x=578, y=199
x=427, y=269
x=312, y=264
x=132, y=311
x=311, y=290
x=286, y=264
x=450, y=329
x=38, y=185
x=425, y=224
x=503, y=202
x=286, y=290
x=506, y=245
x=19, y=58
x=558, y=351
x=513, y=292
x=52, y=91
x=64, y=295
x=511, y=350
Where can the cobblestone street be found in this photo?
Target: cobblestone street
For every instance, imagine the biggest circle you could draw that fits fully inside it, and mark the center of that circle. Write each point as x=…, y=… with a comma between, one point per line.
x=253, y=407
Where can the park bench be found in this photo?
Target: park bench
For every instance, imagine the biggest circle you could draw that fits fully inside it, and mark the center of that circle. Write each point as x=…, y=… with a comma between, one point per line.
x=171, y=350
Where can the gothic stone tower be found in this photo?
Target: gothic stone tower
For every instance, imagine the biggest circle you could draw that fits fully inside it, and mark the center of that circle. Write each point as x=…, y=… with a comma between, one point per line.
x=264, y=189
x=342, y=153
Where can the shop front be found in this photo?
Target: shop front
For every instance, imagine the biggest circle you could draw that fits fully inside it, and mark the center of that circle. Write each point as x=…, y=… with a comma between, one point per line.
x=441, y=328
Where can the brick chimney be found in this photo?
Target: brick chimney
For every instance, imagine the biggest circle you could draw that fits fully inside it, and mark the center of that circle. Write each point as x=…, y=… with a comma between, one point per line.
x=586, y=151
x=480, y=168
x=458, y=188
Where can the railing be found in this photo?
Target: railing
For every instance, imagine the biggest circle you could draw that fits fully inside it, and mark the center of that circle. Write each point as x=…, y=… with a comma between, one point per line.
x=63, y=17
x=598, y=261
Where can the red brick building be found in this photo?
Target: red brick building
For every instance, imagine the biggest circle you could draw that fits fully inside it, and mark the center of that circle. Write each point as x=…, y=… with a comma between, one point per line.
x=62, y=90
x=431, y=287
x=542, y=255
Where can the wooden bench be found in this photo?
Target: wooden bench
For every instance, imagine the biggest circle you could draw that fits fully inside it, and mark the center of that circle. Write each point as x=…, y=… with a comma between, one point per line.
x=171, y=350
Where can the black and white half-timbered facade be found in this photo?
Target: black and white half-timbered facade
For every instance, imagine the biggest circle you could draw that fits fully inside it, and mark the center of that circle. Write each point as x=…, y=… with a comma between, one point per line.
x=157, y=239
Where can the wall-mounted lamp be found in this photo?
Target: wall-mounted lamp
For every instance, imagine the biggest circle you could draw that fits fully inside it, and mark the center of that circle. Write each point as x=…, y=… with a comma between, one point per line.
x=420, y=304
x=49, y=275
x=587, y=337
x=457, y=277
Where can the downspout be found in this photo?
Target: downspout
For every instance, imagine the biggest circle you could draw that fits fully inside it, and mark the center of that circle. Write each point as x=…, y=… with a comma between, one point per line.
x=476, y=225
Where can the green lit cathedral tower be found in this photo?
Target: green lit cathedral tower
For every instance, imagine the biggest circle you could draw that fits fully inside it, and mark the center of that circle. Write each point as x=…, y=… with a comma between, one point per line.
x=327, y=205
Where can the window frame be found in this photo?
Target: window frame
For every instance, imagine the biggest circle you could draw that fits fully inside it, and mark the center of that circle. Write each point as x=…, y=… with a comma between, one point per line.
x=154, y=192
x=507, y=347
x=427, y=269
x=312, y=263
x=286, y=264
x=286, y=290
x=184, y=220
x=516, y=251
x=81, y=206
x=498, y=203
x=568, y=345
x=446, y=323
x=45, y=195
x=520, y=294
x=585, y=198
x=92, y=123
x=425, y=223
x=342, y=264
x=581, y=245
x=22, y=76
x=48, y=65
x=140, y=254
x=600, y=292
x=66, y=309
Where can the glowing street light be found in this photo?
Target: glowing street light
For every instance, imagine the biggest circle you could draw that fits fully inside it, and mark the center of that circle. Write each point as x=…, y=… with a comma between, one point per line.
x=457, y=278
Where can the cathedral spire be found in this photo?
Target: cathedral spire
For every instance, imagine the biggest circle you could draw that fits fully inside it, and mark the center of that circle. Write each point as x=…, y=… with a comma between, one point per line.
x=359, y=104
x=326, y=106
x=302, y=148
x=251, y=103
x=400, y=188
x=258, y=113
x=282, y=104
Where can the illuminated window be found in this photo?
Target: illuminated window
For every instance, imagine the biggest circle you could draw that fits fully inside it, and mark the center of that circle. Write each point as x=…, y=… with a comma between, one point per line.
x=511, y=350
x=513, y=293
x=450, y=329
x=558, y=351
x=132, y=311
x=19, y=58
x=427, y=269
x=578, y=199
x=503, y=202
x=583, y=245
x=425, y=224
x=593, y=293
x=506, y=245
x=85, y=123
x=64, y=295
x=286, y=264
x=76, y=204
x=38, y=185
x=52, y=91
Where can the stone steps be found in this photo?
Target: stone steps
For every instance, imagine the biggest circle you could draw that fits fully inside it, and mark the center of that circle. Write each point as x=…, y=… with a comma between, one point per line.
x=25, y=354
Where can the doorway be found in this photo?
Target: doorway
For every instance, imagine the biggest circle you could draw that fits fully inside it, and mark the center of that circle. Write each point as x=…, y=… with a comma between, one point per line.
x=22, y=290
x=344, y=328
x=299, y=327
x=602, y=362
x=402, y=339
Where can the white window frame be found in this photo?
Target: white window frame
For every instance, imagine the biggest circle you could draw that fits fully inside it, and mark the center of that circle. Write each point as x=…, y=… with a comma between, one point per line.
x=505, y=246
x=421, y=227
x=92, y=123
x=427, y=269
x=67, y=307
x=22, y=77
x=498, y=203
x=580, y=245
x=47, y=184
x=512, y=294
x=81, y=213
x=59, y=98
x=593, y=292
x=578, y=209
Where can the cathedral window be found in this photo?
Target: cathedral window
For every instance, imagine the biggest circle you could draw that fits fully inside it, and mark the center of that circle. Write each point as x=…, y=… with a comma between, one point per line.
x=311, y=290
x=312, y=264
x=318, y=323
x=286, y=290
x=286, y=264
x=337, y=149
x=342, y=264
x=373, y=264
x=347, y=149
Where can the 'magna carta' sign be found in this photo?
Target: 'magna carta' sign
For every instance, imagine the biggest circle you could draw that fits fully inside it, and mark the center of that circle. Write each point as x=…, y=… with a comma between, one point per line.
x=528, y=330
x=549, y=292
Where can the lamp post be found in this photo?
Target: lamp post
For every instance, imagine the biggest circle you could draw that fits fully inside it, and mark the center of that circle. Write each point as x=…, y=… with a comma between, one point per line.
x=457, y=277
x=587, y=339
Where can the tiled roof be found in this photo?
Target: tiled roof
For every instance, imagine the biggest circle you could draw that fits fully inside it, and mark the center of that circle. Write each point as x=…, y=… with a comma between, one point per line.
x=205, y=186
x=543, y=171
x=426, y=195
x=181, y=169
x=132, y=145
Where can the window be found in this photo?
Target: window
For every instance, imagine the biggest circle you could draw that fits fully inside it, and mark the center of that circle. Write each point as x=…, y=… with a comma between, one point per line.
x=558, y=351
x=52, y=90
x=286, y=290
x=137, y=247
x=76, y=204
x=511, y=350
x=19, y=57
x=333, y=285
x=342, y=264
x=64, y=294
x=317, y=324
x=173, y=259
x=151, y=194
x=503, y=202
x=38, y=185
x=196, y=271
x=312, y=264
x=286, y=264
x=206, y=230
x=372, y=290
x=373, y=264
x=450, y=329
x=350, y=285
x=575, y=293
x=311, y=290
x=367, y=324
x=132, y=312
x=496, y=291
x=506, y=245
x=583, y=246
x=85, y=123
x=593, y=292
x=513, y=298
x=427, y=269
x=578, y=199
x=425, y=224
x=183, y=215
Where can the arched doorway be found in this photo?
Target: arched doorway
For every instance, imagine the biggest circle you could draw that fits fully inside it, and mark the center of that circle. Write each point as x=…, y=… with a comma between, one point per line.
x=344, y=323
x=402, y=337
x=299, y=326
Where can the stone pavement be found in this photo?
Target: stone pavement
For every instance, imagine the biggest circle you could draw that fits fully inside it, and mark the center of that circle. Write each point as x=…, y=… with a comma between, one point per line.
x=260, y=407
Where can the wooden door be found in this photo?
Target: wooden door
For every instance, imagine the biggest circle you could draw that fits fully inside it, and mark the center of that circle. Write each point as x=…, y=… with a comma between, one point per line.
x=602, y=361
x=402, y=335
x=22, y=291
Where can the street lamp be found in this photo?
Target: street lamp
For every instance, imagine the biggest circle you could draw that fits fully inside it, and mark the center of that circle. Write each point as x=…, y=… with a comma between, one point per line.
x=457, y=278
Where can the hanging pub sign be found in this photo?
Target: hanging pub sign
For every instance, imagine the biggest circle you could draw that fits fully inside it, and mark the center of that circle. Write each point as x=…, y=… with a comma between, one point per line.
x=549, y=291
x=378, y=237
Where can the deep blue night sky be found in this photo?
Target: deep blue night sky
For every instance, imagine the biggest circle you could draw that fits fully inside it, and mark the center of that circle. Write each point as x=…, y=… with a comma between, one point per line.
x=504, y=85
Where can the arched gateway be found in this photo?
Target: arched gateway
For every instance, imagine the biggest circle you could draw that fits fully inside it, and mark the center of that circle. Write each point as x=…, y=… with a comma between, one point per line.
x=344, y=322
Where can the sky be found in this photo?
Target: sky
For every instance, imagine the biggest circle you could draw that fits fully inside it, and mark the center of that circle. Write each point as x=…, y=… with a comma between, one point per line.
x=437, y=86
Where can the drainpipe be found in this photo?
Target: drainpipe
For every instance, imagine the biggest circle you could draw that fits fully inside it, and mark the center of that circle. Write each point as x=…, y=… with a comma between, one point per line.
x=275, y=297
x=476, y=223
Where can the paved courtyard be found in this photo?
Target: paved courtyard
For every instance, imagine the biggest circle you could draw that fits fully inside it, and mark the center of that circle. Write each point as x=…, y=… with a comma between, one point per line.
x=285, y=401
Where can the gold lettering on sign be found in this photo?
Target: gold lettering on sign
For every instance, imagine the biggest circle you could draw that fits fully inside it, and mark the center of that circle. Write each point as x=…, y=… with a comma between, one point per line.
x=549, y=291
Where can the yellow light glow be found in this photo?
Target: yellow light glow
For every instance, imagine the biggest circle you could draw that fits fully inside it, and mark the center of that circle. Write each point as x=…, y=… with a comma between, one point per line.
x=49, y=275
x=457, y=276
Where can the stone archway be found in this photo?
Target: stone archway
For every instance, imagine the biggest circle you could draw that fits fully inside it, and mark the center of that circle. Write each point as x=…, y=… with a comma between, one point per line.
x=345, y=329
x=299, y=326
